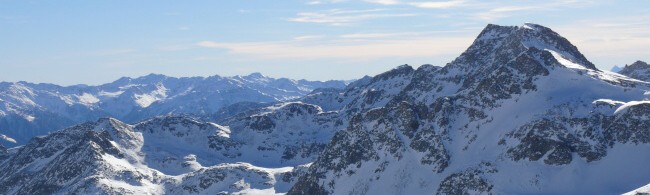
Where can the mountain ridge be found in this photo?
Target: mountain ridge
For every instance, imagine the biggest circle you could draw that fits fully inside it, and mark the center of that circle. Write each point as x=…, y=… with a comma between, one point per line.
x=109, y=156
x=520, y=111
x=638, y=70
x=518, y=100
x=28, y=109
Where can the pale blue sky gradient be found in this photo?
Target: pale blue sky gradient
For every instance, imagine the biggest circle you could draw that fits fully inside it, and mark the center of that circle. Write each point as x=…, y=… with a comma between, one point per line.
x=93, y=42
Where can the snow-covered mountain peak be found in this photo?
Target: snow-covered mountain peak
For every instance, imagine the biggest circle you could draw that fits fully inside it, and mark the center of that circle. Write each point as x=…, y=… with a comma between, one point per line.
x=395, y=72
x=179, y=127
x=638, y=70
x=146, y=79
x=640, y=64
x=524, y=53
x=109, y=122
x=493, y=31
x=507, y=42
x=520, y=99
x=533, y=26
x=255, y=75
x=152, y=77
x=28, y=109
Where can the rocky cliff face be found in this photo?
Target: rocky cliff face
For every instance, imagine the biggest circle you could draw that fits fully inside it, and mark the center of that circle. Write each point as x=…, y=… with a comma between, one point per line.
x=638, y=70
x=520, y=108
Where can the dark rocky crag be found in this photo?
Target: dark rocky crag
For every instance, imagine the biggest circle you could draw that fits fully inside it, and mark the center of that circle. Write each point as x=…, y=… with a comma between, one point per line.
x=507, y=100
x=638, y=70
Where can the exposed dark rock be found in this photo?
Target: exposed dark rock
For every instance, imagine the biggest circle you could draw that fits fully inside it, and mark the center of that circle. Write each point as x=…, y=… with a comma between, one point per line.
x=638, y=70
x=466, y=182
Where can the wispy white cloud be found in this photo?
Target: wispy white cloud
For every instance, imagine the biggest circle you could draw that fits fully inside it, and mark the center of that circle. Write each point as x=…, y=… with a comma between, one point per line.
x=504, y=11
x=384, y=2
x=173, y=48
x=500, y=10
x=515, y=8
x=308, y=37
x=346, y=49
x=369, y=35
x=402, y=34
x=380, y=35
x=438, y=4
x=344, y=17
x=318, y=2
x=610, y=41
x=420, y=4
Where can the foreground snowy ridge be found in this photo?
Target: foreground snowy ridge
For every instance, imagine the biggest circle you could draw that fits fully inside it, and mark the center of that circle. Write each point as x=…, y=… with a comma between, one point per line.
x=173, y=155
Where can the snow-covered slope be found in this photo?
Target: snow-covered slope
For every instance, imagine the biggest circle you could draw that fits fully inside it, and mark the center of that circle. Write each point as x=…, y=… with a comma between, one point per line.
x=366, y=93
x=640, y=191
x=28, y=109
x=638, y=70
x=520, y=111
x=260, y=148
x=7, y=138
x=175, y=155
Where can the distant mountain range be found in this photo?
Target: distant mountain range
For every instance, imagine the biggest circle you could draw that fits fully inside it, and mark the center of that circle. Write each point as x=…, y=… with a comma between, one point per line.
x=28, y=109
x=521, y=111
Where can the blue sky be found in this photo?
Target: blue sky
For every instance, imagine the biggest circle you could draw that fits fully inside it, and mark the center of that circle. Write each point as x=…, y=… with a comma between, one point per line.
x=93, y=42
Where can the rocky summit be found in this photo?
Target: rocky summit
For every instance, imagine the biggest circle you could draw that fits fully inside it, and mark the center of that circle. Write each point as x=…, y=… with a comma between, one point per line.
x=521, y=111
x=638, y=70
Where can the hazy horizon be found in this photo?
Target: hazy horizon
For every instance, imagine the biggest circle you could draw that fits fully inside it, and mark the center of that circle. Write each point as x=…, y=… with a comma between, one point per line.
x=48, y=42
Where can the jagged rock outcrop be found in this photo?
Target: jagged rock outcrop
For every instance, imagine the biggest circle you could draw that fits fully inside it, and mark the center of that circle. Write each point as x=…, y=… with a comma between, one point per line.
x=638, y=70
x=520, y=105
x=161, y=155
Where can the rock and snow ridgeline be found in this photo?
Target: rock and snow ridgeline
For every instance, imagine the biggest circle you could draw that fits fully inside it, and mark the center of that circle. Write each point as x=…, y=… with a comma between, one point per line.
x=176, y=155
x=520, y=111
x=28, y=109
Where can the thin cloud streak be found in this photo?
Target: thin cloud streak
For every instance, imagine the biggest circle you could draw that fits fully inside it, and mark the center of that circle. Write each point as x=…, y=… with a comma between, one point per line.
x=384, y=2
x=344, y=17
x=369, y=35
x=421, y=4
x=438, y=4
x=308, y=37
x=415, y=47
x=498, y=11
x=399, y=34
x=611, y=41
